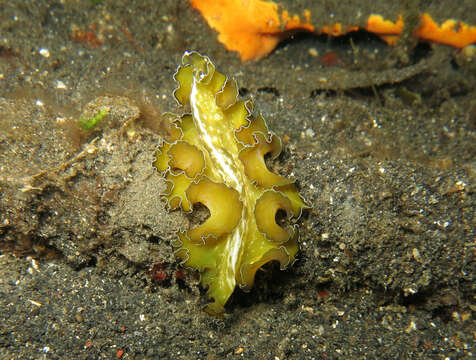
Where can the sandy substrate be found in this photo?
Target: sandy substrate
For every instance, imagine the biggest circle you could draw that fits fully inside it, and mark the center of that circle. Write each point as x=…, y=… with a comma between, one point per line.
x=380, y=140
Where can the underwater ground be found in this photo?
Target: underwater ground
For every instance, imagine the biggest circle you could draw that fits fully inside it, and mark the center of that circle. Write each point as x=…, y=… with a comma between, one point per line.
x=381, y=141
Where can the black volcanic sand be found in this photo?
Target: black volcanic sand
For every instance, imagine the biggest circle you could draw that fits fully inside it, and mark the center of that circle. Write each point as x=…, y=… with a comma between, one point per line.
x=380, y=140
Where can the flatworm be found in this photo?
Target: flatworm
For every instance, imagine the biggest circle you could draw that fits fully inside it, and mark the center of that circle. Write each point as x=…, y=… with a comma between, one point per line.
x=215, y=156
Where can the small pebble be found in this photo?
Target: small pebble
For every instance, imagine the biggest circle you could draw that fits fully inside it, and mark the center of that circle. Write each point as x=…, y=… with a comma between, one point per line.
x=44, y=52
x=313, y=52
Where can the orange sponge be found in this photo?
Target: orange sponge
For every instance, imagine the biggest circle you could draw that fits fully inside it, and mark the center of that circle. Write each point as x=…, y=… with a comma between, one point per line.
x=261, y=25
x=256, y=31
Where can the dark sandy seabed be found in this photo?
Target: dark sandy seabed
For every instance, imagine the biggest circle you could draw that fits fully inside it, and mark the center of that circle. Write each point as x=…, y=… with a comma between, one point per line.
x=381, y=143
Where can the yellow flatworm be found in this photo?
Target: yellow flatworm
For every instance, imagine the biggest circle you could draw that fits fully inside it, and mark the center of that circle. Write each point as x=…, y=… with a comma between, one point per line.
x=215, y=156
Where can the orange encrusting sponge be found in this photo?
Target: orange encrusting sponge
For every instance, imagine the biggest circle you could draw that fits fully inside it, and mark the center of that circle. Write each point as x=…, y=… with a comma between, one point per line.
x=253, y=28
x=450, y=32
